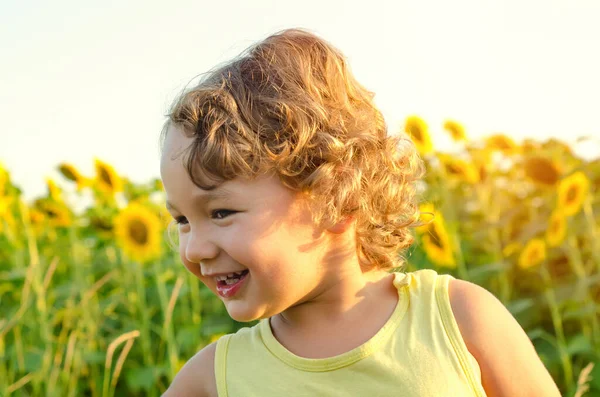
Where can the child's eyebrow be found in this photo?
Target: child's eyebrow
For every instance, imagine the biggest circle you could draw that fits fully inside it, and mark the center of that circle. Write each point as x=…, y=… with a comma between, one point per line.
x=204, y=198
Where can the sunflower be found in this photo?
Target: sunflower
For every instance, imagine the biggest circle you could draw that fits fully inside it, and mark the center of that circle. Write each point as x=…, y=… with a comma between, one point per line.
x=5, y=214
x=3, y=179
x=533, y=253
x=54, y=191
x=456, y=130
x=559, y=267
x=557, y=228
x=529, y=145
x=58, y=214
x=36, y=216
x=511, y=248
x=5, y=202
x=482, y=160
x=72, y=174
x=436, y=240
x=557, y=146
x=572, y=190
x=541, y=170
x=462, y=169
x=138, y=232
x=418, y=131
x=107, y=178
x=501, y=143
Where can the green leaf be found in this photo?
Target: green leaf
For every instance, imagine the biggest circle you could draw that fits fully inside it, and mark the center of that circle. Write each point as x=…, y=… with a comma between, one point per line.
x=579, y=344
x=579, y=312
x=13, y=275
x=540, y=333
x=520, y=305
x=480, y=274
x=187, y=337
x=94, y=357
x=33, y=361
x=143, y=378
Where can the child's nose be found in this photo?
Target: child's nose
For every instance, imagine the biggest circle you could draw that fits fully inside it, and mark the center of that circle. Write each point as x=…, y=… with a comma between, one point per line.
x=199, y=248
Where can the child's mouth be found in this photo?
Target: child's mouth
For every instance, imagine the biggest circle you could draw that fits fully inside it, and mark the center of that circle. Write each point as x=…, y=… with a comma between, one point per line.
x=228, y=288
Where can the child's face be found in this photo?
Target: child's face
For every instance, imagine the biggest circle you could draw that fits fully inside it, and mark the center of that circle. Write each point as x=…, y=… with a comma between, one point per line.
x=259, y=226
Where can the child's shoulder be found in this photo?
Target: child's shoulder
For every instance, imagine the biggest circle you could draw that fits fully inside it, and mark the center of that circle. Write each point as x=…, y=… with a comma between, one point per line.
x=197, y=376
x=487, y=328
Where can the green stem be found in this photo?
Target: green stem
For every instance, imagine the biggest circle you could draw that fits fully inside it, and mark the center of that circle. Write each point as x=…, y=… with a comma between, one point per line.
x=576, y=262
x=590, y=218
x=484, y=194
x=143, y=310
x=167, y=327
x=558, y=327
x=450, y=213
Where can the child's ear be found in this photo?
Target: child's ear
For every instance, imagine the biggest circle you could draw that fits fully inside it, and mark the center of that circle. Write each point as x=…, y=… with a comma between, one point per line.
x=344, y=224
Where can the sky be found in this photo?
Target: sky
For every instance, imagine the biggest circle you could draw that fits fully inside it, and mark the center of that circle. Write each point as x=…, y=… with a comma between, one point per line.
x=80, y=80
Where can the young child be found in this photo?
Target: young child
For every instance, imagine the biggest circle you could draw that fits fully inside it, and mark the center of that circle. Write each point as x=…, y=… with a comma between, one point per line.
x=294, y=206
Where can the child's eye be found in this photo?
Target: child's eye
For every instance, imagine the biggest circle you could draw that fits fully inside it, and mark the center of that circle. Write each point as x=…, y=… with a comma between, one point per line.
x=221, y=213
x=181, y=220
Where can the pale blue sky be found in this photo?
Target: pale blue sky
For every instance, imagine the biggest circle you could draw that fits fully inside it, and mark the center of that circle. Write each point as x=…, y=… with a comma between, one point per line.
x=80, y=80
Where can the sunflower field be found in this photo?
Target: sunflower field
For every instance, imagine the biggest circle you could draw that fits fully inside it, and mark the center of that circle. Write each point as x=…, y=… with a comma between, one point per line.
x=94, y=301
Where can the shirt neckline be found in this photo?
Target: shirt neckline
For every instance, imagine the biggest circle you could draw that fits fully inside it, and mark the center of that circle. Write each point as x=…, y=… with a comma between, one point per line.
x=342, y=360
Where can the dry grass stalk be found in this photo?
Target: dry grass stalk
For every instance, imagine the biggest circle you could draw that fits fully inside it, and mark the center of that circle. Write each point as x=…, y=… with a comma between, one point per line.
x=50, y=272
x=173, y=300
x=97, y=285
x=120, y=362
x=583, y=380
x=20, y=383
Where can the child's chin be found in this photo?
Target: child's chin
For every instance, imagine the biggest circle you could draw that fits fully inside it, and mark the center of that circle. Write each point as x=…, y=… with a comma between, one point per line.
x=242, y=316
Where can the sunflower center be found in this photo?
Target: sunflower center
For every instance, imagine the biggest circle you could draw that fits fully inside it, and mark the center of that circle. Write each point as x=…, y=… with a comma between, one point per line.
x=51, y=213
x=535, y=256
x=454, y=168
x=542, y=170
x=105, y=177
x=435, y=238
x=138, y=231
x=416, y=133
x=555, y=226
x=68, y=173
x=572, y=193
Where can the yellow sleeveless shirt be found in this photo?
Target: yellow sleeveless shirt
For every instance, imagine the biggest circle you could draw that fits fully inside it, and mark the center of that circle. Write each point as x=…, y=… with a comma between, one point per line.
x=418, y=352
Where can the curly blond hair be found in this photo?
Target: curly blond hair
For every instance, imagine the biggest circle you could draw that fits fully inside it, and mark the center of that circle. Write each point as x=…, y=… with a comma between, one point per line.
x=290, y=105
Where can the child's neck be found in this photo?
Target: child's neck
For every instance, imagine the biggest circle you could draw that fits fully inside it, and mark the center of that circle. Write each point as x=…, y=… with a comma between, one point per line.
x=355, y=305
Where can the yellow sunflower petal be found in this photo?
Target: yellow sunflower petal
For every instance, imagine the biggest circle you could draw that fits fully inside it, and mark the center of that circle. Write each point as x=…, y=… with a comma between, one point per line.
x=4, y=178
x=54, y=192
x=437, y=246
x=461, y=169
x=533, y=254
x=139, y=233
x=72, y=174
x=456, y=130
x=436, y=240
x=572, y=191
x=418, y=131
x=58, y=214
x=501, y=142
x=557, y=228
x=511, y=248
x=107, y=178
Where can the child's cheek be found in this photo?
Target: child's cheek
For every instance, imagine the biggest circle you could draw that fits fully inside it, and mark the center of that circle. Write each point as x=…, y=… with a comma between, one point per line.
x=193, y=268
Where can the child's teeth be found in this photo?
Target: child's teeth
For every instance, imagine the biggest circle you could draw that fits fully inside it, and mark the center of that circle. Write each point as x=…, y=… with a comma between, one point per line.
x=231, y=276
x=230, y=281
